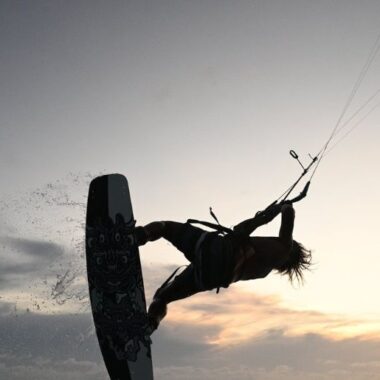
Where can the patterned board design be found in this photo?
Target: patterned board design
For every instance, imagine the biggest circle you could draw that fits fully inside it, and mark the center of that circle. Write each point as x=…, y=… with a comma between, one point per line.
x=115, y=280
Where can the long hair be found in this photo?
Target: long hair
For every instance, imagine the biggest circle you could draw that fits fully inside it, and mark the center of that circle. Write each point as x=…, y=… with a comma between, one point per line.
x=299, y=261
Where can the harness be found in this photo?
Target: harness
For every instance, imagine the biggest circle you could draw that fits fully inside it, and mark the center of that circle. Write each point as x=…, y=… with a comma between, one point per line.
x=218, y=229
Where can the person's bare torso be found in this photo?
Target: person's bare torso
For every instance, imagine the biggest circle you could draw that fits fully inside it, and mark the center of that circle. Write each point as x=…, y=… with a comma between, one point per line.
x=258, y=257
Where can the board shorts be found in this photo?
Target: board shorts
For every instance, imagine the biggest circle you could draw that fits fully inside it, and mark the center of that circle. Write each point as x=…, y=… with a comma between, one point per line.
x=211, y=256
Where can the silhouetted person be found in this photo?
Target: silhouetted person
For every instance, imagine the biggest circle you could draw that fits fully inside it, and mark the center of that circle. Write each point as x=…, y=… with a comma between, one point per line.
x=218, y=260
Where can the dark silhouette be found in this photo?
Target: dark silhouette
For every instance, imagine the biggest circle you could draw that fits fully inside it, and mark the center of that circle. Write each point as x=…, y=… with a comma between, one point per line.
x=217, y=260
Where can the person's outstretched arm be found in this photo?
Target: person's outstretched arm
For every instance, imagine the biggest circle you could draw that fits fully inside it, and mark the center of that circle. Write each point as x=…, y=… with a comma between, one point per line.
x=248, y=226
x=287, y=224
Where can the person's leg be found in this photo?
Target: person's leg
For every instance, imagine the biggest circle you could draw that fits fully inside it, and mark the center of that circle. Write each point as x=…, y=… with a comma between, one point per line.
x=182, y=286
x=183, y=236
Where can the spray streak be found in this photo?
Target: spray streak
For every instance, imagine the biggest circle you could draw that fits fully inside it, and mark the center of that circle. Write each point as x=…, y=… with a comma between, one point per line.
x=52, y=213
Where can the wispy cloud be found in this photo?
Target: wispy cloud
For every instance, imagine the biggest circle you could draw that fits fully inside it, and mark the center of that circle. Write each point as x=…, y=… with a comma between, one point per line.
x=25, y=259
x=39, y=249
x=236, y=316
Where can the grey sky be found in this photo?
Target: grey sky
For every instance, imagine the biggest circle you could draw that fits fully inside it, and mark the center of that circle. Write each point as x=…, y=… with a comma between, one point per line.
x=197, y=103
x=89, y=85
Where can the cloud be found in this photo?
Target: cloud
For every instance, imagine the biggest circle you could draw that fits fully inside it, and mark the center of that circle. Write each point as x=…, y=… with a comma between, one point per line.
x=236, y=316
x=43, y=369
x=249, y=373
x=38, y=249
x=23, y=260
x=276, y=356
x=34, y=346
x=29, y=336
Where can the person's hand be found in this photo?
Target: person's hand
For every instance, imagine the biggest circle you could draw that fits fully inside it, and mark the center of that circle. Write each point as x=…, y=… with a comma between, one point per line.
x=271, y=212
x=286, y=206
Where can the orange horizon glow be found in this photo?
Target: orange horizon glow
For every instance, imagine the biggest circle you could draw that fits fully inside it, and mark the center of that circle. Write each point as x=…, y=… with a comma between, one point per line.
x=245, y=315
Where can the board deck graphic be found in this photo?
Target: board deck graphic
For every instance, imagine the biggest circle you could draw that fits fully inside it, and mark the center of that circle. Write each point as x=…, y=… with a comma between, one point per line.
x=115, y=280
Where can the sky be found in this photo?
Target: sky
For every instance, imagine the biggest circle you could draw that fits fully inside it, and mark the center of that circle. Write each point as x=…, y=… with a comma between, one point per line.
x=197, y=103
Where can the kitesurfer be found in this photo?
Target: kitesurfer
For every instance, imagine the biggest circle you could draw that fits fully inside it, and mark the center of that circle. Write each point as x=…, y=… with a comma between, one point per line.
x=217, y=260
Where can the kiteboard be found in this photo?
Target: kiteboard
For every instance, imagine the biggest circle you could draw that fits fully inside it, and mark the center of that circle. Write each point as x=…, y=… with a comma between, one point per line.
x=115, y=280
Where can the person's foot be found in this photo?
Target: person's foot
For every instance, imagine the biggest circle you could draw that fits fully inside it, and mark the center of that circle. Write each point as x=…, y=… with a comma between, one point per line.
x=151, y=232
x=140, y=235
x=156, y=313
x=154, y=230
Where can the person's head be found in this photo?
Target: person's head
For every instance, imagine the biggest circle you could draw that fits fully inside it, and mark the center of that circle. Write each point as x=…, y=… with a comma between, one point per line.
x=299, y=261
